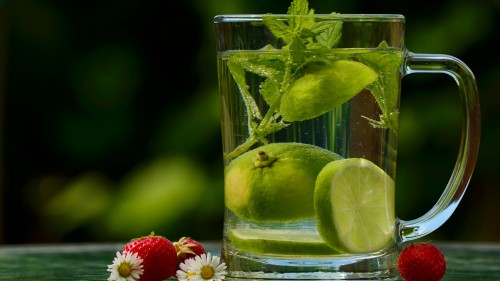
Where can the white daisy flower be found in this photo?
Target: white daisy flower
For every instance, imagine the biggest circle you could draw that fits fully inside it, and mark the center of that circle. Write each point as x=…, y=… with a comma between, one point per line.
x=125, y=267
x=185, y=271
x=205, y=267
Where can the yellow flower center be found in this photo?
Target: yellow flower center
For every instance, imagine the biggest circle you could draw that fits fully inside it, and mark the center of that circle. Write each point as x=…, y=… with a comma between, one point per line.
x=191, y=273
x=124, y=269
x=207, y=272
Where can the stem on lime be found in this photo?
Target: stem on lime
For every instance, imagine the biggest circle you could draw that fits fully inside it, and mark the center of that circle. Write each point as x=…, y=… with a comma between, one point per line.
x=242, y=148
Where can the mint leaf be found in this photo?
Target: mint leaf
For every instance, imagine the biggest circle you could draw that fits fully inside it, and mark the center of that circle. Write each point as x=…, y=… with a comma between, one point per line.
x=322, y=26
x=299, y=7
x=279, y=29
x=386, y=62
x=295, y=24
x=265, y=65
x=236, y=68
x=330, y=33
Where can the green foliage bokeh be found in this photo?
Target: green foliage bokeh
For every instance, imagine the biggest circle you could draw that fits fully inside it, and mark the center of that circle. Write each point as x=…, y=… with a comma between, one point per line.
x=111, y=124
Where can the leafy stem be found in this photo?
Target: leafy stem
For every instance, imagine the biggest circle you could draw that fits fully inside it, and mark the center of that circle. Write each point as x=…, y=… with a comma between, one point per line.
x=385, y=89
x=276, y=71
x=271, y=121
x=279, y=69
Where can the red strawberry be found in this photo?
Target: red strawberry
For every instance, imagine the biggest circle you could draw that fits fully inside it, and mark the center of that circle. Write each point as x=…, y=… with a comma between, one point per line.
x=187, y=248
x=158, y=254
x=421, y=262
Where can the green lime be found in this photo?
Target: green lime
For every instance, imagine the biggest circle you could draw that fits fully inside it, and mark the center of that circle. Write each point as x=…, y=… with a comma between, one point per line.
x=275, y=182
x=279, y=242
x=354, y=204
x=323, y=87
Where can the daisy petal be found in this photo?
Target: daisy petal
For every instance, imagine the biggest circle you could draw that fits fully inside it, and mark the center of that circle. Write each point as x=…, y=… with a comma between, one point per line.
x=126, y=266
x=204, y=267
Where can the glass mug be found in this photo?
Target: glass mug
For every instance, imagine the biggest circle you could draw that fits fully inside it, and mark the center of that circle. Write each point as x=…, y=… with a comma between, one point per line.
x=309, y=128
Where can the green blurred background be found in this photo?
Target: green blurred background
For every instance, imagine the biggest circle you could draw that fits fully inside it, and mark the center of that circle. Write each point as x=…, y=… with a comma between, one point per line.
x=109, y=116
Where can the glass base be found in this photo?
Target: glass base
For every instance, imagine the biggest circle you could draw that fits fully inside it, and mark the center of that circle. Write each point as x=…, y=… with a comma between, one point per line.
x=375, y=266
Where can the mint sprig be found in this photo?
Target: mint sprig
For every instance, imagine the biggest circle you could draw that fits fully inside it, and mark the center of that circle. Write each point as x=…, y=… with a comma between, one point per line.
x=279, y=68
x=385, y=89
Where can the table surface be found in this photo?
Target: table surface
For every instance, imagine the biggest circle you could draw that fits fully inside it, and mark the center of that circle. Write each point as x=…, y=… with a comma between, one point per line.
x=464, y=260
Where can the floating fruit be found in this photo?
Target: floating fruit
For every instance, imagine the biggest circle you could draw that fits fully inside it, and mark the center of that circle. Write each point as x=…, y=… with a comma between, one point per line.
x=323, y=87
x=354, y=204
x=275, y=182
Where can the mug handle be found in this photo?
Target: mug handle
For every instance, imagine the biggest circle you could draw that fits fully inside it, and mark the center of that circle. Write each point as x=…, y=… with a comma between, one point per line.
x=469, y=146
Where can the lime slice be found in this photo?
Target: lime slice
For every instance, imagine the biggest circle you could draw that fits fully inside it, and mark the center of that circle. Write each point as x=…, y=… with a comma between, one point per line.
x=279, y=242
x=323, y=87
x=354, y=205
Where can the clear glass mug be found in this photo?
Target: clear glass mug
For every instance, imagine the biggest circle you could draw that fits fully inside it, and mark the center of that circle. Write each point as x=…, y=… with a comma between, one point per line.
x=309, y=127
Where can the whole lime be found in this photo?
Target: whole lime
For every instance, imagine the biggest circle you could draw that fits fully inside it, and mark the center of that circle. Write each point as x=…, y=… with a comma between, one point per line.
x=323, y=87
x=275, y=182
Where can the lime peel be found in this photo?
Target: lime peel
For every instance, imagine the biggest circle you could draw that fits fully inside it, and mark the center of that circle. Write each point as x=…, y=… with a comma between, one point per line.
x=279, y=242
x=323, y=87
x=266, y=192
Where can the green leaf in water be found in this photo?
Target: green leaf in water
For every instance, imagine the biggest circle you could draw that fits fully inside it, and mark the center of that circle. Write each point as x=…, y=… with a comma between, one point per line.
x=386, y=62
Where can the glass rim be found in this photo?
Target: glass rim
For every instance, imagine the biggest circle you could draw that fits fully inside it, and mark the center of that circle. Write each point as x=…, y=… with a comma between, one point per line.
x=343, y=17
